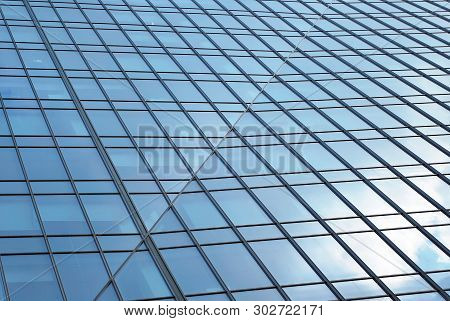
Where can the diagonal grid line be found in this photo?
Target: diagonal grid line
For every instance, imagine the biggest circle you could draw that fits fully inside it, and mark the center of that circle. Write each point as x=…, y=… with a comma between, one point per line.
x=214, y=150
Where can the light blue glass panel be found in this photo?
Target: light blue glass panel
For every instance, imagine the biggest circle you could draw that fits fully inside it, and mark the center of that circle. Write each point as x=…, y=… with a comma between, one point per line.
x=420, y=249
x=30, y=278
x=198, y=211
x=27, y=122
x=15, y=87
x=85, y=163
x=153, y=206
x=66, y=122
x=240, y=207
x=282, y=204
x=191, y=271
x=242, y=272
x=106, y=123
x=83, y=275
x=61, y=214
x=129, y=164
x=358, y=289
x=17, y=216
x=331, y=258
x=108, y=214
x=48, y=167
x=324, y=201
x=50, y=88
x=284, y=262
x=139, y=278
x=10, y=168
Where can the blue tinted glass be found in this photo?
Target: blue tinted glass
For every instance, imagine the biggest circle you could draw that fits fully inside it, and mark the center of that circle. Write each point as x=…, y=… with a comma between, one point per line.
x=331, y=258
x=151, y=207
x=85, y=163
x=83, y=274
x=242, y=271
x=282, y=204
x=198, y=211
x=9, y=59
x=108, y=214
x=86, y=89
x=50, y=88
x=139, y=278
x=2, y=291
x=315, y=194
x=106, y=123
x=10, y=168
x=240, y=207
x=101, y=61
x=27, y=122
x=4, y=130
x=49, y=165
x=18, y=216
x=195, y=277
x=37, y=59
x=61, y=214
x=30, y=277
x=71, y=60
x=15, y=87
x=25, y=34
x=284, y=262
x=66, y=122
x=129, y=164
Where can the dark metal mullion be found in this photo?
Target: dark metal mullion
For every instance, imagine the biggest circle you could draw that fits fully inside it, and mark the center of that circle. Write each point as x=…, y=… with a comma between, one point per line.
x=3, y=278
x=318, y=175
x=399, y=31
x=395, y=142
x=102, y=152
x=33, y=200
x=416, y=15
x=402, y=20
x=77, y=195
x=156, y=179
x=378, y=192
x=168, y=275
x=298, y=248
x=363, y=73
x=238, y=41
x=394, y=58
x=444, y=8
x=207, y=193
x=375, y=189
x=251, y=193
x=22, y=165
x=414, y=156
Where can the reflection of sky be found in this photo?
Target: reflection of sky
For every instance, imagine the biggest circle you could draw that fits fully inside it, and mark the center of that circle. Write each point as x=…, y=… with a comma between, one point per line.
x=414, y=244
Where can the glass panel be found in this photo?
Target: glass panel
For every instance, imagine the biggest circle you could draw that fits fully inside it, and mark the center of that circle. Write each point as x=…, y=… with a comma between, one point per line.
x=284, y=262
x=31, y=278
x=139, y=278
x=240, y=273
x=282, y=204
x=191, y=271
x=331, y=258
x=108, y=214
x=17, y=216
x=240, y=207
x=61, y=214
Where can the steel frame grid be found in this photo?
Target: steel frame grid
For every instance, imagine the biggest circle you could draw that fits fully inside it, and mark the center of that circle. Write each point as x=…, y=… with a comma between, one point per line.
x=194, y=122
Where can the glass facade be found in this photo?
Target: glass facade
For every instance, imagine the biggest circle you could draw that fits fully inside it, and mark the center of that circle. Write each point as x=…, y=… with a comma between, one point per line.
x=224, y=150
